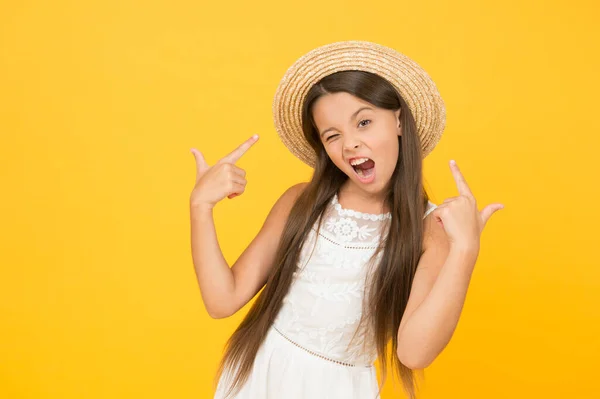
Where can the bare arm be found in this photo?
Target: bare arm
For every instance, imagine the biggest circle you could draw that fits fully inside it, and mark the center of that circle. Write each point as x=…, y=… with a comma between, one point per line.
x=451, y=247
x=436, y=300
x=225, y=290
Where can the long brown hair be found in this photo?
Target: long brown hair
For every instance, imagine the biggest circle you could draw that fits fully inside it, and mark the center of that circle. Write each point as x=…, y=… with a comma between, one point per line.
x=390, y=284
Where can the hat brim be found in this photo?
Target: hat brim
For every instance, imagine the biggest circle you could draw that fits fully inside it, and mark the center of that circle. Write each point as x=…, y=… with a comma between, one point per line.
x=412, y=82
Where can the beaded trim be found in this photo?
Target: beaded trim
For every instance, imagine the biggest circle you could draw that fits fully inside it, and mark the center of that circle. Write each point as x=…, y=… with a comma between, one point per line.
x=344, y=245
x=314, y=353
x=361, y=215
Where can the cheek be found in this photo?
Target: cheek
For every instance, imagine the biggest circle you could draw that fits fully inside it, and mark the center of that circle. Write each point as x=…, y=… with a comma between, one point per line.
x=334, y=153
x=390, y=152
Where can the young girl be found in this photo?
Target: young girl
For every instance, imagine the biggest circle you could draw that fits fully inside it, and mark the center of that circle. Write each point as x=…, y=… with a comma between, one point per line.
x=353, y=259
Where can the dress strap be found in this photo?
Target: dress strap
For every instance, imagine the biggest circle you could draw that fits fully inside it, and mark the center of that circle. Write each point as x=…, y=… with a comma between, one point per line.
x=430, y=207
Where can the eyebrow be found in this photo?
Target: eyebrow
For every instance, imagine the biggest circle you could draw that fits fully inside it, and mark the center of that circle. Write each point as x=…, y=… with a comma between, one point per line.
x=351, y=117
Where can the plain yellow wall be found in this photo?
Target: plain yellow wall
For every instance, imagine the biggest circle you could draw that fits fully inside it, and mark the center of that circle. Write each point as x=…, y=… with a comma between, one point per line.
x=100, y=103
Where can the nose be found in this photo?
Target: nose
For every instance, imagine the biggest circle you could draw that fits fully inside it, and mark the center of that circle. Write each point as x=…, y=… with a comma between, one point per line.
x=351, y=142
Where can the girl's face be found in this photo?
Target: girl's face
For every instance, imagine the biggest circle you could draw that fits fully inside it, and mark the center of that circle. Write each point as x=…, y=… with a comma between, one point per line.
x=351, y=130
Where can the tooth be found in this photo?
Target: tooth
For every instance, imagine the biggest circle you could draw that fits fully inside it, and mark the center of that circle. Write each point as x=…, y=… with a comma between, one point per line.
x=358, y=161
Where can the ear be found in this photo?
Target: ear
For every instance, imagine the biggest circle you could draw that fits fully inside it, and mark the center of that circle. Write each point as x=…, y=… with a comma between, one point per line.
x=399, y=123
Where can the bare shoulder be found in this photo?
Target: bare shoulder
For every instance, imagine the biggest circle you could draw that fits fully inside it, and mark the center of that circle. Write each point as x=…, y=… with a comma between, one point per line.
x=294, y=191
x=287, y=200
x=277, y=217
x=435, y=241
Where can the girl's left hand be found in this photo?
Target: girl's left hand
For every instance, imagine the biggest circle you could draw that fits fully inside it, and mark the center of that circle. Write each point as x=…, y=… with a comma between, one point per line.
x=460, y=217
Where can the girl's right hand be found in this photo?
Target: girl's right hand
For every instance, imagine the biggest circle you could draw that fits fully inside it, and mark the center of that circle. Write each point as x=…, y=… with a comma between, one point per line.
x=223, y=179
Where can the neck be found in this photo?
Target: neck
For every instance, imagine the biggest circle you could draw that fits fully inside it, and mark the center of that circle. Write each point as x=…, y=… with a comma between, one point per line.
x=352, y=197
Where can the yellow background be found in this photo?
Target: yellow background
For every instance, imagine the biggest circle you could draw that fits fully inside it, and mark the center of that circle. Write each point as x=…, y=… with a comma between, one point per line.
x=100, y=103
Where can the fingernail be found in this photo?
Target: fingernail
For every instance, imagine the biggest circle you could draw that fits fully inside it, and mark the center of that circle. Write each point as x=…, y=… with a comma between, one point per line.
x=452, y=162
x=255, y=136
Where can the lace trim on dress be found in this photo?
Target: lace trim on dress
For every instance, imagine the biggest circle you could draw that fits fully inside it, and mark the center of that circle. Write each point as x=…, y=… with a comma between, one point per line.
x=370, y=216
x=360, y=215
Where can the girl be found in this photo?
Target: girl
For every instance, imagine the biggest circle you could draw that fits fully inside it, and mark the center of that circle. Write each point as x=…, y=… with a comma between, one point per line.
x=353, y=259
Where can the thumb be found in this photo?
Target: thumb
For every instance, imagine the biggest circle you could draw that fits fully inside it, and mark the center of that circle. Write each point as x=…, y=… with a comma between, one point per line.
x=201, y=165
x=489, y=210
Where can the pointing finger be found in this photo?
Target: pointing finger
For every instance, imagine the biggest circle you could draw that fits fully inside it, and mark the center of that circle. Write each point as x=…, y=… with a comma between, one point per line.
x=241, y=150
x=461, y=183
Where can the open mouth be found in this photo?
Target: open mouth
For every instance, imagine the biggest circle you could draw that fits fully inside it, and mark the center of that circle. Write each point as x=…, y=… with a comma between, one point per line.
x=364, y=168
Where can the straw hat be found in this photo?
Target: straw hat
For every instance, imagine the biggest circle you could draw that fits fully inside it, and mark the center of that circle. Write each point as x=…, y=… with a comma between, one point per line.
x=411, y=81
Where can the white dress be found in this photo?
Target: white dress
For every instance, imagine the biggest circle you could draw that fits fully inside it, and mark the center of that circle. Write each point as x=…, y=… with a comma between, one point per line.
x=308, y=351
